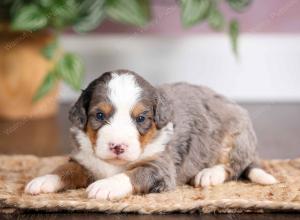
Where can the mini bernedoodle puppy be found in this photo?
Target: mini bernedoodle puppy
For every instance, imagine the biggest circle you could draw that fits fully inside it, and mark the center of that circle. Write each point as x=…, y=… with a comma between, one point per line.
x=133, y=138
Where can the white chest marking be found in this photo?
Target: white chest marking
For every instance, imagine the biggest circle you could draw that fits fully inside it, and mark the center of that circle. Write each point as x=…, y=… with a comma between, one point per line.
x=160, y=142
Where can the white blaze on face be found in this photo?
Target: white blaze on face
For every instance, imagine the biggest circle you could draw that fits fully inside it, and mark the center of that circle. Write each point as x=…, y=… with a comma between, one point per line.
x=124, y=93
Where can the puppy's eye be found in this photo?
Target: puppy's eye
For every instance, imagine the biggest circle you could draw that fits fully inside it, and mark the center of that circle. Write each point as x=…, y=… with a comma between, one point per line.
x=140, y=119
x=100, y=116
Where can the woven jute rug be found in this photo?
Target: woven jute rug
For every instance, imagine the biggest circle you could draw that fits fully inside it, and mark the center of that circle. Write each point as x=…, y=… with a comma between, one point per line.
x=231, y=197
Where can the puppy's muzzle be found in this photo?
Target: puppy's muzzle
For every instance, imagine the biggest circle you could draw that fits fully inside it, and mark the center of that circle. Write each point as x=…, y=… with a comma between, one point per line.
x=117, y=148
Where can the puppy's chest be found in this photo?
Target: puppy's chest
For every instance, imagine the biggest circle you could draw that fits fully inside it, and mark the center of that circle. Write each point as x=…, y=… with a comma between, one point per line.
x=98, y=168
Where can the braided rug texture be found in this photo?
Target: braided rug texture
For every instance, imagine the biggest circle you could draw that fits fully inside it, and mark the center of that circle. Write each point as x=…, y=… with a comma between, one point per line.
x=231, y=197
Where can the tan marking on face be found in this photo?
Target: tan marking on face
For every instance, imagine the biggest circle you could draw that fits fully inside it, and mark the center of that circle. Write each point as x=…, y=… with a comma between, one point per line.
x=228, y=143
x=106, y=108
x=138, y=109
x=92, y=134
x=147, y=137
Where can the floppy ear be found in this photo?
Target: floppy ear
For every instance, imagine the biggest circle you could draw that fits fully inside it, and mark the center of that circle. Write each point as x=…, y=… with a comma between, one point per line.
x=162, y=111
x=78, y=112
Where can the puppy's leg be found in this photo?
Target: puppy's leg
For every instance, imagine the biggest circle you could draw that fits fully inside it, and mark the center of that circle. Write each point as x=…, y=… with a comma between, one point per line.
x=68, y=176
x=218, y=174
x=257, y=175
x=149, y=175
x=211, y=176
x=237, y=156
x=153, y=175
x=243, y=160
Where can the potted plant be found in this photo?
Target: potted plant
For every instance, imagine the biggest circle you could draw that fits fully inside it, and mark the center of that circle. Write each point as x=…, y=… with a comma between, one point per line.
x=32, y=63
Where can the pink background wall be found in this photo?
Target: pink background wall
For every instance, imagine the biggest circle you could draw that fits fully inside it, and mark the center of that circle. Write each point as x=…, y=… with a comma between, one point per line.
x=266, y=16
x=267, y=68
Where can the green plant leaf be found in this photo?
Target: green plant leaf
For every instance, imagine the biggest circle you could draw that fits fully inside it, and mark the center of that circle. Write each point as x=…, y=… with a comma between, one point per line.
x=134, y=12
x=49, y=50
x=29, y=18
x=215, y=19
x=45, y=87
x=234, y=33
x=46, y=4
x=239, y=5
x=70, y=69
x=194, y=11
x=63, y=13
x=91, y=15
x=15, y=6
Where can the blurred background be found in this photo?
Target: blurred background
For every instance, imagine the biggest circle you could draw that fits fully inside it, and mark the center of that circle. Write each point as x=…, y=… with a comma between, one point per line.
x=49, y=50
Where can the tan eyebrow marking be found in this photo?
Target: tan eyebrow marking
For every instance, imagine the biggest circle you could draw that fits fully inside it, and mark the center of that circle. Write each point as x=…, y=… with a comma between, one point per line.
x=138, y=109
x=105, y=107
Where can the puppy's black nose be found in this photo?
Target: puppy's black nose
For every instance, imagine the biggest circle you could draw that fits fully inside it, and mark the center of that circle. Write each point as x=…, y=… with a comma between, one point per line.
x=117, y=148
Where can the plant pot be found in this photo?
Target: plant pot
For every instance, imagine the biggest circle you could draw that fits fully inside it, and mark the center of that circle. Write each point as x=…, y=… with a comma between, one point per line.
x=22, y=70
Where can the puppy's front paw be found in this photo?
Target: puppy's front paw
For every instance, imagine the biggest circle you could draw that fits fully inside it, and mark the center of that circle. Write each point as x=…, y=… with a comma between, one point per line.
x=211, y=176
x=44, y=184
x=115, y=187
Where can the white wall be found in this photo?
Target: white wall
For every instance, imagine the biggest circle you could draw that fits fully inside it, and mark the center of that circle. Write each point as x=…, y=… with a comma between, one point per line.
x=268, y=67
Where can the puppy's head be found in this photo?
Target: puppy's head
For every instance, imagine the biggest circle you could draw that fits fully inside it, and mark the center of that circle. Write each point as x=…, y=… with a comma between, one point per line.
x=120, y=113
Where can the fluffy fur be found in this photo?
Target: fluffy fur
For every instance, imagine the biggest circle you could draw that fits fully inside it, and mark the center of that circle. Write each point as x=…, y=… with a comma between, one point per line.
x=131, y=137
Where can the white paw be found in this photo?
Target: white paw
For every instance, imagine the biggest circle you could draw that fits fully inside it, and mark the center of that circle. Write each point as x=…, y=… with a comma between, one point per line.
x=115, y=187
x=211, y=176
x=44, y=184
x=260, y=176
